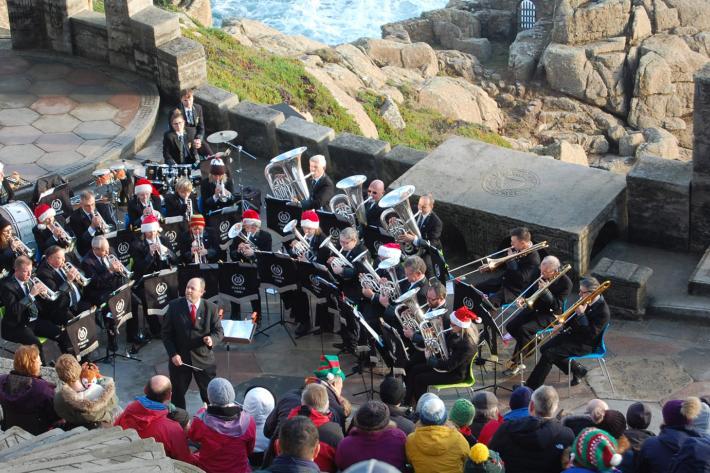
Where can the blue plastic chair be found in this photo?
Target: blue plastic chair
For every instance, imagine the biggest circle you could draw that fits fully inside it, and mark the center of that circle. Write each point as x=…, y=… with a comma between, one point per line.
x=598, y=354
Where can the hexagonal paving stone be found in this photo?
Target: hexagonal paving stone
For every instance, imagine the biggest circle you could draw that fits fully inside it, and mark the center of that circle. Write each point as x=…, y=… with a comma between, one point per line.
x=51, y=87
x=125, y=101
x=53, y=105
x=125, y=117
x=58, y=160
x=51, y=142
x=94, y=111
x=29, y=171
x=15, y=100
x=45, y=71
x=20, y=154
x=56, y=123
x=91, y=146
x=87, y=77
x=92, y=93
x=13, y=65
x=18, y=135
x=98, y=130
x=17, y=116
x=14, y=83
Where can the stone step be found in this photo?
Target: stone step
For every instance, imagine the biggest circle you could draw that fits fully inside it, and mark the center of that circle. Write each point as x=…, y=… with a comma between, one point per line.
x=699, y=282
x=40, y=441
x=14, y=436
x=693, y=309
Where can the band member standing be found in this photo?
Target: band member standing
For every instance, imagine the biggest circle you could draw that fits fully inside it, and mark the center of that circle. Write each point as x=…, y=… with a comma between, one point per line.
x=146, y=201
x=191, y=329
x=430, y=228
x=46, y=232
x=7, y=193
x=217, y=190
x=179, y=145
x=182, y=203
x=200, y=244
x=375, y=191
x=89, y=220
x=244, y=247
x=320, y=186
x=527, y=323
x=21, y=323
x=194, y=119
x=579, y=336
x=56, y=277
x=461, y=343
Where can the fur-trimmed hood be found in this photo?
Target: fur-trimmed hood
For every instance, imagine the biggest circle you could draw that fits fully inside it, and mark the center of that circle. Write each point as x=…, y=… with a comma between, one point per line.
x=75, y=409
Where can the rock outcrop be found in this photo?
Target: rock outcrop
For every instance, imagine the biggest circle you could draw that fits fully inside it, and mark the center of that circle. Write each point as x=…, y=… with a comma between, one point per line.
x=256, y=34
x=526, y=50
x=419, y=56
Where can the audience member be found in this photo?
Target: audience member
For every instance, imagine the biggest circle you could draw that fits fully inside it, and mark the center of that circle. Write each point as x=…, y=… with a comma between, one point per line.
x=486, y=404
x=392, y=394
x=372, y=436
x=482, y=460
x=461, y=415
x=27, y=400
x=534, y=443
x=149, y=416
x=693, y=456
x=372, y=466
x=638, y=417
x=224, y=432
x=297, y=446
x=434, y=446
x=593, y=414
x=519, y=402
x=594, y=450
x=78, y=405
x=259, y=402
x=614, y=423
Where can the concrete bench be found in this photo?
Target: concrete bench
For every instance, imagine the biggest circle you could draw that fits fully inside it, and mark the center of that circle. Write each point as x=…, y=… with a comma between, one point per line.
x=627, y=295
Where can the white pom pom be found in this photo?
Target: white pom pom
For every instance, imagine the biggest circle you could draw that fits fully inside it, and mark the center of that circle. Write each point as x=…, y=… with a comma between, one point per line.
x=615, y=460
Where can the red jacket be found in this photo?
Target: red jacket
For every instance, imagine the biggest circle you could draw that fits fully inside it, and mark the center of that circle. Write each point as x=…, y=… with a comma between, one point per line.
x=329, y=434
x=489, y=430
x=149, y=419
x=226, y=436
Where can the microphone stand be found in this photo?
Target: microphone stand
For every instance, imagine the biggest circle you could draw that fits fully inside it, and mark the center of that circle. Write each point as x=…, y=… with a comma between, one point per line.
x=238, y=170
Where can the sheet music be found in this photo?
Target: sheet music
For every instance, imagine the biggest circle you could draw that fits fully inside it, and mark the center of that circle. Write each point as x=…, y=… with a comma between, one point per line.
x=239, y=331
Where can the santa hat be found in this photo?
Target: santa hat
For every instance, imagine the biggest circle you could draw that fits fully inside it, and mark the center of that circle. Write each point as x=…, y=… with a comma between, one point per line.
x=309, y=219
x=142, y=186
x=43, y=212
x=251, y=217
x=150, y=224
x=463, y=317
x=217, y=167
x=389, y=250
x=197, y=220
x=596, y=450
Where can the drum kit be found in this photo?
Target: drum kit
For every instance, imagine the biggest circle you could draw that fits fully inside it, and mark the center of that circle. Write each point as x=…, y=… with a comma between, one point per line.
x=107, y=181
x=164, y=176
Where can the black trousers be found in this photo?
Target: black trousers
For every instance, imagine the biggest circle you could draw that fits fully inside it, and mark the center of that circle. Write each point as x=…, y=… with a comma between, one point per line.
x=28, y=335
x=525, y=325
x=297, y=301
x=555, y=352
x=418, y=379
x=181, y=376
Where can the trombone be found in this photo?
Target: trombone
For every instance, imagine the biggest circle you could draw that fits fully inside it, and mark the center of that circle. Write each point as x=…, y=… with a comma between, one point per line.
x=489, y=263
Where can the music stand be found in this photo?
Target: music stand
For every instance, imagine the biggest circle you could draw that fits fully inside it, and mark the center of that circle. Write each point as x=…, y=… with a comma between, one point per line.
x=375, y=339
x=120, y=313
x=279, y=272
x=394, y=352
x=316, y=279
x=81, y=331
x=237, y=331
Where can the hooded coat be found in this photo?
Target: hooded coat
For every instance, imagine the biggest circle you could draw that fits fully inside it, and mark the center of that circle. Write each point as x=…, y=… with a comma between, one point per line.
x=226, y=436
x=329, y=435
x=532, y=445
x=657, y=452
x=27, y=402
x=436, y=448
x=150, y=419
x=77, y=410
x=259, y=403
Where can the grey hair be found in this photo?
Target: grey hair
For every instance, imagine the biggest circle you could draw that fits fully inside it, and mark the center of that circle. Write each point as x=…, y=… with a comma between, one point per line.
x=595, y=410
x=98, y=241
x=546, y=400
x=349, y=234
x=86, y=194
x=552, y=260
x=415, y=263
x=590, y=283
x=319, y=159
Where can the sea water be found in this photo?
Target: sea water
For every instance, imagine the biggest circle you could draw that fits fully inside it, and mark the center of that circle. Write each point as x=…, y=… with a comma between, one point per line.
x=328, y=21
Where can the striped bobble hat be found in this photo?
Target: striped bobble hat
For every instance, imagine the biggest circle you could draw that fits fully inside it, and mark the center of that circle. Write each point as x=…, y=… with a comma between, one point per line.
x=329, y=368
x=595, y=449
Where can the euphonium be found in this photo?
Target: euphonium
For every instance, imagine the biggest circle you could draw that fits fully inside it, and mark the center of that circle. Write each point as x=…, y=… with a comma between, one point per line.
x=285, y=176
x=81, y=280
x=236, y=232
x=340, y=260
x=123, y=271
x=390, y=265
x=48, y=294
x=300, y=246
x=371, y=280
x=398, y=219
x=432, y=330
x=20, y=249
x=408, y=311
x=350, y=205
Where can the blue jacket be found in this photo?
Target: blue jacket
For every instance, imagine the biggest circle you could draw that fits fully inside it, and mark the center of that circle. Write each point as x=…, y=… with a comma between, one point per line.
x=693, y=456
x=517, y=414
x=657, y=452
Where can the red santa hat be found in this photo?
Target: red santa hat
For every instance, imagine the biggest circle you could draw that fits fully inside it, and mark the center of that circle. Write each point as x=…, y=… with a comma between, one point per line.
x=43, y=212
x=389, y=250
x=142, y=186
x=309, y=219
x=463, y=317
x=251, y=217
x=150, y=224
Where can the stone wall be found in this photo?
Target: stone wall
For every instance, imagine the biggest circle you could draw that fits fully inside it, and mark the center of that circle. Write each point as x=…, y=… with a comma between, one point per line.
x=4, y=20
x=700, y=190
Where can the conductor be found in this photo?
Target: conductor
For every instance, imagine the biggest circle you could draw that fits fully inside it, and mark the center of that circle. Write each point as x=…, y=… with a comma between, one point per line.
x=191, y=329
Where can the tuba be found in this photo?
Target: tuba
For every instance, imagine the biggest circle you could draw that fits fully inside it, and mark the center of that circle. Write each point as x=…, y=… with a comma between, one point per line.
x=285, y=176
x=400, y=214
x=432, y=330
x=301, y=248
x=350, y=205
x=408, y=311
x=371, y=280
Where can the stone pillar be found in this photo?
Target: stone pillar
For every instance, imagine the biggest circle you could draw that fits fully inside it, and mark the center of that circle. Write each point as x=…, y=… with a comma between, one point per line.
x=700, y=188
x=120, y=31
x=56, y=18
x=26, y=23
x=4, y=20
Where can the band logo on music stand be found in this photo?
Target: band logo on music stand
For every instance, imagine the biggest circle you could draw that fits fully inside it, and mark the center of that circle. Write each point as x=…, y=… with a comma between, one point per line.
x=118, y=311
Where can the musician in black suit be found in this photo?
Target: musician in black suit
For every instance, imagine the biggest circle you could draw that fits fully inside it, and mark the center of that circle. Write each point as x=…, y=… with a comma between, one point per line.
x=21, y=323
x=199, y=241
x=179, y=145
x=430, y=228
x=89, y=220
x=375, y=191
x=52, y=273
x=8, y=246
x=320, y=186
x=415, y=274
x=217, y=191
x=45, y=232
x=370, y=307
x=436, y=298
x=243, y=248
x=580, y=335
x=527, y=323
x=195, y=119
x=191, y=329
x=145, y=202
x=182, y=203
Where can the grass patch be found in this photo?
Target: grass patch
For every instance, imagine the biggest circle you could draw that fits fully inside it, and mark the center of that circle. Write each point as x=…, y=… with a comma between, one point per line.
x=258, y=76
x=426, y=129
x=99, y=6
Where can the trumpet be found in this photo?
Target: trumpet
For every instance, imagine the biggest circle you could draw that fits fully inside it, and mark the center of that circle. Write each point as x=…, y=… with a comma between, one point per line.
x=222, y=193
x=20, y=249
x=62, y=235
x=300, y=246
x=123, y=271
x=340, y=261
x=47, y=293
x=160, y=250
x=188, y=209
x=432, y=330
x=197, y=242
x=488, y=263
x=372, y=281
x=103, y=226
x=236, y=232
x=81, y=280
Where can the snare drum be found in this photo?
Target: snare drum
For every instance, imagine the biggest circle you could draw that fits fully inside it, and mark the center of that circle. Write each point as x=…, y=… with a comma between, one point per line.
x=102, y=177
x=183, y=170
x=119, y=171
x=22, y=220
x=155, y=173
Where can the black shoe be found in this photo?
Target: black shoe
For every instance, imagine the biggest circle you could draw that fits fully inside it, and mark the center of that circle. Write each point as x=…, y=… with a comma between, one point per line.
x=574, y=381
x=579, y=371
x=339, y=346
x=302, y=329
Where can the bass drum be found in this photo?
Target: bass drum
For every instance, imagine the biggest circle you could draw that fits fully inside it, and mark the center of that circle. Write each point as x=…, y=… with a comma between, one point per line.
x=22, y=220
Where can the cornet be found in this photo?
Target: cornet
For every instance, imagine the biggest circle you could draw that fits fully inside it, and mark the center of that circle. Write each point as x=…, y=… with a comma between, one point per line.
x=300, y=246
x=199, y=245
x=122, y=270
x=340, y=261
x=222, y=193
x=20, y=249
x=160, y=250
x=62, y=235
x=188, y=209
x=47, y=294
x=103, y=226
x=81, y=280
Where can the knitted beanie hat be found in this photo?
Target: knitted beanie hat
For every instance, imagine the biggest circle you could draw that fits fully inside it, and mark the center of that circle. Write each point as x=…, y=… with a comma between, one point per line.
x=373, y=415
x=614, y=423
x=596, y=450
x=329, y=368
x=433, y=412
x=484, y=460
x=672, y=415
x=520, y=397
x=638, y=416
x=220, y=392
x=392, y=391
x=371, y=466
x=462, y=412
x=701, y=423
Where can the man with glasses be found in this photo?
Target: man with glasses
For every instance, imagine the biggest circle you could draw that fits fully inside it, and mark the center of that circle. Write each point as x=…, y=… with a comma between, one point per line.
x=89, y=220
x=375, y=191
x=579, y=336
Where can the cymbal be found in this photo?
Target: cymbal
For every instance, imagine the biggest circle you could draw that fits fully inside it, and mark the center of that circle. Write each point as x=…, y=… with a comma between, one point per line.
x=223, y=136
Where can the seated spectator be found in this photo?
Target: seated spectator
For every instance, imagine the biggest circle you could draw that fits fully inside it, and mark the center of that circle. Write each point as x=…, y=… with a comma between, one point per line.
x=225, y=433
x=78, y=405
x=392, y=394
x=638, y=416
x=461, y=415
x=486, y=404
x=27, y=400
x=702, y=422
x=519, y=402
x=149, y=415
x=259, y=402
x=373, y=436
x=594, y=450
x=693, y=456
x=593, y=414
x=614, y=423
x=298, y=444
x=535, y=443
x=656, y=452
x=434, y=446
x=482, y=460
x=314, y=405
